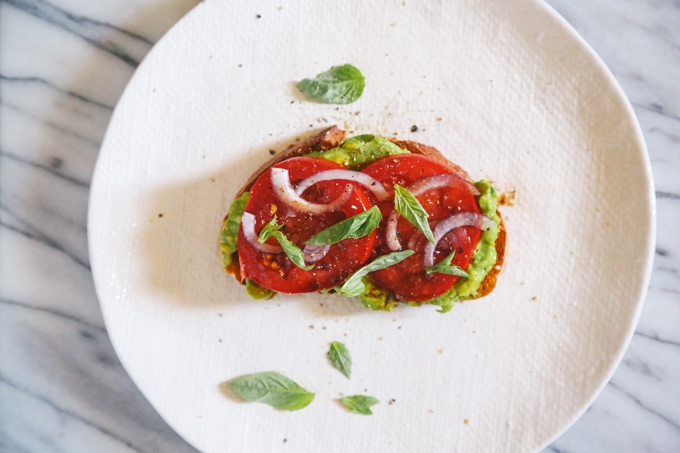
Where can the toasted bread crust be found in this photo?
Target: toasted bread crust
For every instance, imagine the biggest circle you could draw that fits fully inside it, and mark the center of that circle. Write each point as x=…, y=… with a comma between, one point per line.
x=489, y=282
x=332, y=137
x=323, y=141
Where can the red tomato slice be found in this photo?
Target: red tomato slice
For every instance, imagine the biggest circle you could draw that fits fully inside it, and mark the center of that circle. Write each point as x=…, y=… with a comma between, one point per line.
x=276, y=271
x=408, y=279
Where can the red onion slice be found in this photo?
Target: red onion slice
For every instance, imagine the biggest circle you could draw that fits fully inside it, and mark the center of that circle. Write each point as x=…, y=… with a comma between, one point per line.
x=365, y=180
x=314, y=253
x=422, y=185
x=415, y=237
x=248, y=225
x=391, y=238
x=417, y=188
x=455, y=221
x=284, y=190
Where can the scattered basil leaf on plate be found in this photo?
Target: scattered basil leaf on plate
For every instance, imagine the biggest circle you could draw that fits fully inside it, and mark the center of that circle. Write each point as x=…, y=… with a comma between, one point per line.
x=410, y=208
x=355, y=227
x=445, y=267
x=339, y=85
x=272, y=388
x=273, y=230
x=354, y=286
x=339, y=356
x=359, y=403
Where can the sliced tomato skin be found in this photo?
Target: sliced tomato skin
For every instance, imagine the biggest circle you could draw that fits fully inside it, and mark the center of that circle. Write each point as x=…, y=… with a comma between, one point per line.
x=408, y=280
x=275, y=271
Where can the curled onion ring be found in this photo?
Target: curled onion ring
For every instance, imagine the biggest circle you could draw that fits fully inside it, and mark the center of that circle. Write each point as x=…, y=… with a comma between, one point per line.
x=358, y=177
x=284, y=190
x=422, y=185
x=417, y=188
x=248, y=225
x=450, y=223
x=314, y=253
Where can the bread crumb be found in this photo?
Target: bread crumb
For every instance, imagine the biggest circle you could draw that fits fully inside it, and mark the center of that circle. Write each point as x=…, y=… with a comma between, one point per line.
x=506, y=198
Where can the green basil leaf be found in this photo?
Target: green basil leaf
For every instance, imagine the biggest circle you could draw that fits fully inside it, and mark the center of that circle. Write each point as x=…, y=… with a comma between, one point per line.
x=272, y=230
x=258, y=292
x=445, y=267
x=410, y=208
x=354, y=286
x=229, y=233
x=355, y=227
x=339, y=356
x=359, y=403
x=272, y=388
x=339, y=85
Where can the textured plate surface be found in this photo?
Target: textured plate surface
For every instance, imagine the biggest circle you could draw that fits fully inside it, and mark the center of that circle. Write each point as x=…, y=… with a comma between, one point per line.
x=505, y=89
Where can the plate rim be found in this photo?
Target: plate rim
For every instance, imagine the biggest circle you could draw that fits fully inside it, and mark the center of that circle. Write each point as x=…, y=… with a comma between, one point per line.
x=640, y=145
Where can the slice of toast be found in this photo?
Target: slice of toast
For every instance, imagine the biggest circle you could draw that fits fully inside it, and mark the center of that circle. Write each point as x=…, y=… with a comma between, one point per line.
x=331, y=138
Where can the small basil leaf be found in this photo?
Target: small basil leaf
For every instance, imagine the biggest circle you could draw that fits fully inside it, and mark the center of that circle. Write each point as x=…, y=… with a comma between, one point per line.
x=354, y=286
x=258, y=292
x=272, y=230
x=355, y=227
x=272, y=388
x=445, y=267
x=410, y=208
x=339, y=356
x=359, y=403
x=268, y=230
x=229, y=233
x=339, y=85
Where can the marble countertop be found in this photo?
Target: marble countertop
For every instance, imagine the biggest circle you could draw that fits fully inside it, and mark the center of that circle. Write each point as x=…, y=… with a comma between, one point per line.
x=63, y=66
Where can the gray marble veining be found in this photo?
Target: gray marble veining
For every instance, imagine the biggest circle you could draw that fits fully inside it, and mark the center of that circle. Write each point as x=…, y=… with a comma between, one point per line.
x=63, y=66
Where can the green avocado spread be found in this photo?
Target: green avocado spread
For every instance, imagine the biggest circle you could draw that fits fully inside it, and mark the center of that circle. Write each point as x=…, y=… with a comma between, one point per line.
x=355, y=153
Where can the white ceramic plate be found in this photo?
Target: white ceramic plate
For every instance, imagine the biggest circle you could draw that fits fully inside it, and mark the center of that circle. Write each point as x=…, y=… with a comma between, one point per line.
x=504, y=88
